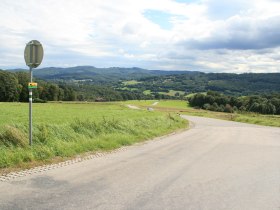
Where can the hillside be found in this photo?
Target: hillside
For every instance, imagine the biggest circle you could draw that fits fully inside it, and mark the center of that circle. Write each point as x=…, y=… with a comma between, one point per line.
x=98, y=75
x=163, y=83
x=230, y=84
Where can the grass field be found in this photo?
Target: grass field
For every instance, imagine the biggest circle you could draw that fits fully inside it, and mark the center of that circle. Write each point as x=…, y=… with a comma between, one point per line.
x=131, y=82
x=183, y=107
x=172, y=92
x=67, y=129
x=128, y=88
x=161, y=103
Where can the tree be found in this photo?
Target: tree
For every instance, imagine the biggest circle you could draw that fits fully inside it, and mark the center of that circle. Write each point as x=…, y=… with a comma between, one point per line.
x=23, y=79
x=9, y=88
x=53, y=92
x=276, y=102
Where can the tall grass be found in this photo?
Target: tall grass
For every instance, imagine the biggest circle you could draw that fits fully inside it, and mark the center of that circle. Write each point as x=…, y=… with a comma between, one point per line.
x=79, y=136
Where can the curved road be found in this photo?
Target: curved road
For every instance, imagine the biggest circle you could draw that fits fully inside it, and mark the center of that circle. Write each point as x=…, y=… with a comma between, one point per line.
x=214, y=165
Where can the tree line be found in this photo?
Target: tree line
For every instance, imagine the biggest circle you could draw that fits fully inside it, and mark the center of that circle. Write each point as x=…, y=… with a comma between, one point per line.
x=214, y=101
x=14, y=88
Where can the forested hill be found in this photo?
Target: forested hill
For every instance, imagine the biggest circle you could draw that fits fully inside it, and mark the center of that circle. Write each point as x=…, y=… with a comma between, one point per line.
x=230, y=84
x=98, y=75
x=166, y=83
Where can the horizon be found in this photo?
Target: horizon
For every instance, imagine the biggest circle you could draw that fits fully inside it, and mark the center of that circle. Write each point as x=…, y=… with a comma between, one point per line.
x=182, y=35
x=36, y=69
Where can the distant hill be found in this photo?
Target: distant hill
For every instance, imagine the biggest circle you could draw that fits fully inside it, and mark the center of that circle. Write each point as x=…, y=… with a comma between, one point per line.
x=231, y=84
x=163, y=82
x=99, y=75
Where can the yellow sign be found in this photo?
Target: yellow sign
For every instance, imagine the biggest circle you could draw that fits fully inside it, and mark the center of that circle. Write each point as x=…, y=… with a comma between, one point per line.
x=32, y=85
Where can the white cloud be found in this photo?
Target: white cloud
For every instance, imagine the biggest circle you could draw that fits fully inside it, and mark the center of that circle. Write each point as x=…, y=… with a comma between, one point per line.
x=205, y=35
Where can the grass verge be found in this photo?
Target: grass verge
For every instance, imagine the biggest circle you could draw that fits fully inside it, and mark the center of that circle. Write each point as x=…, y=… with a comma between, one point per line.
x=106, y=127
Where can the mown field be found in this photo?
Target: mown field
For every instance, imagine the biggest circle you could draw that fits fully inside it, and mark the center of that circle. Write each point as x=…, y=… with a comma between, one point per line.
x=183, y=107
x=62, y=130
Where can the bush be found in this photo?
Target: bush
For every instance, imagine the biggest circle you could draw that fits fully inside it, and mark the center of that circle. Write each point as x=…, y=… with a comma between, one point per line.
x=38, y=100
x=228, y=108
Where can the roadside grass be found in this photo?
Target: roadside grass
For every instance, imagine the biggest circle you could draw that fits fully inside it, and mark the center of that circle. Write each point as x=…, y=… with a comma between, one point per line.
x=63, y=130
x=267, y=120
x=182, y=107
x=252, y=118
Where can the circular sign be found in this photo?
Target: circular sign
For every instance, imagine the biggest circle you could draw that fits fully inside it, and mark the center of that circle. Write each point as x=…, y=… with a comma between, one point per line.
x=33, y=53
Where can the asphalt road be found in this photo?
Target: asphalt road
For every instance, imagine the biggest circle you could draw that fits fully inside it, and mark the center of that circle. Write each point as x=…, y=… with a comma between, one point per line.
x=214, y=165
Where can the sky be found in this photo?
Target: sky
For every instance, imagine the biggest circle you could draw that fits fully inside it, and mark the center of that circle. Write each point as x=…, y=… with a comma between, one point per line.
x=232, y=36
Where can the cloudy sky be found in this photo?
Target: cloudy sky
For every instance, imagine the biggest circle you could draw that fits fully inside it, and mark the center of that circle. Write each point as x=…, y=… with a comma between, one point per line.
x=206, y=35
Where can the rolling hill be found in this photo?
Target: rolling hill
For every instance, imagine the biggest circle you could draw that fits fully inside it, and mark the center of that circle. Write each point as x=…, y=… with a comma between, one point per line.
x=99, y=75
x=163, y=82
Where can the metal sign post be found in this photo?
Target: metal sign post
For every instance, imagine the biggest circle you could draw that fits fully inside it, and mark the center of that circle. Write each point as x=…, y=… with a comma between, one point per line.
x=30, y=108
x=33, y=56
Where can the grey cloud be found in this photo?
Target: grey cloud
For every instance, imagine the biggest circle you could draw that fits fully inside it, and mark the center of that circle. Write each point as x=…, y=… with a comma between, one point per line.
x=241, y=35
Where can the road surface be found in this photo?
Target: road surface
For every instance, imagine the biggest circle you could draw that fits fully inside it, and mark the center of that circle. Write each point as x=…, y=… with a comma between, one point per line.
x=214, y=165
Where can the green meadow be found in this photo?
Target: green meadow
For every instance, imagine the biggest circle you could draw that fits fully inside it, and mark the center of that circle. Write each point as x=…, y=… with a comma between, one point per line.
x=63, y=130
x=168, y=104
x=131, y=82
x=182, y=107
x=172, y=92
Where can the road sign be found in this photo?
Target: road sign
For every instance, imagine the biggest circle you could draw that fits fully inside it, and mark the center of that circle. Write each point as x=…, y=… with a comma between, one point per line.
x=33, y=54
x=32, y=85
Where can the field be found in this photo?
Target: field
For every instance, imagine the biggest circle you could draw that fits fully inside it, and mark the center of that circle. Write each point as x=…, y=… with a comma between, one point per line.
x=183, y=107
x=172, y=92
x=131, y=82
x=63, y=130
x=159, y=104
